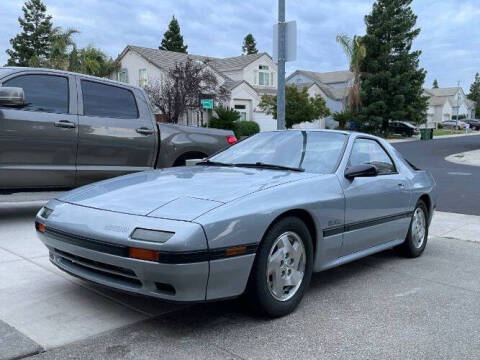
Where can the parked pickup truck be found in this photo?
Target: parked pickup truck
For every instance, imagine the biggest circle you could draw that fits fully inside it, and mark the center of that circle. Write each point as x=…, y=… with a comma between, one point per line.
x=62, y=130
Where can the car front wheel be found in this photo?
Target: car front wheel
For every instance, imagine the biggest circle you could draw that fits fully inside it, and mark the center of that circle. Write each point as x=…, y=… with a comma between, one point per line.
x=282, y=268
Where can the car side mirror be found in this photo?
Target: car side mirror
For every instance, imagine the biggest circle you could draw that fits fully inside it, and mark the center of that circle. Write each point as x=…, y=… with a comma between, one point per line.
x=12, y=96
x=363, y=170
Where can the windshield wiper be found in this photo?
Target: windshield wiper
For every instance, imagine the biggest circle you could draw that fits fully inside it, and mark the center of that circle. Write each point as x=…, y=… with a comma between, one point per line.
x=213, y=163
x=261, y=165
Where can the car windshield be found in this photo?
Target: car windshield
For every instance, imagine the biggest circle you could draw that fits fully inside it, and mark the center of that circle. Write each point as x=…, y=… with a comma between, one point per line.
x=311, y=151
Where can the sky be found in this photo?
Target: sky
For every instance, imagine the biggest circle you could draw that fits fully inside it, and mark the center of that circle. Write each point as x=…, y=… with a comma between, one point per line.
x=449, y=38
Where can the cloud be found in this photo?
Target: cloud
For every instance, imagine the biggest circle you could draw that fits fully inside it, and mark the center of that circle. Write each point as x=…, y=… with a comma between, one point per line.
x=449, y=40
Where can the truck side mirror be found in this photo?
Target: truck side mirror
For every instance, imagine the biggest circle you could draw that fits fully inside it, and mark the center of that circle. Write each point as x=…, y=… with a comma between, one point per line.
x=12, y=96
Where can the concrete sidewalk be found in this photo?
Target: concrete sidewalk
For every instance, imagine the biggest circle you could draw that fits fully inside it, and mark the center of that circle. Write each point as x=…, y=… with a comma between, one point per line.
x=43, y=308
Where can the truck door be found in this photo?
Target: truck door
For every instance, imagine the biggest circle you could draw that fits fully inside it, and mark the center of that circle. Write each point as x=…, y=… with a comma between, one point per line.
x=38, y=141
x=117, y=131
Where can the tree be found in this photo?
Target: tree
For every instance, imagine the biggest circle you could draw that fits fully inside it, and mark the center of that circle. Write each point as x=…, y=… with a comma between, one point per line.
x=59, y=54
x=249, y=45
x=474, y=94
x=355, y=51
x=299, y=106
x=183, y=86
x=435, y=84
x=391, y=80
x=32, y=44
x=172, y=39
x=91, y=61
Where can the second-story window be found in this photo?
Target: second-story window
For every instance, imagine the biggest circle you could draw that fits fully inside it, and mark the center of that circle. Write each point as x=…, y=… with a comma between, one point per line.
x=142, y=77
x=264, y=76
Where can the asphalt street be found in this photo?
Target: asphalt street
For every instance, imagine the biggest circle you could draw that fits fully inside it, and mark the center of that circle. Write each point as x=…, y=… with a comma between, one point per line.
x=458, y=185
x=382, y=307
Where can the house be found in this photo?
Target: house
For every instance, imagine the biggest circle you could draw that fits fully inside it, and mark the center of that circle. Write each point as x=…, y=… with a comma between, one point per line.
x=247, y=77
x=443, y=103
x=332, y=86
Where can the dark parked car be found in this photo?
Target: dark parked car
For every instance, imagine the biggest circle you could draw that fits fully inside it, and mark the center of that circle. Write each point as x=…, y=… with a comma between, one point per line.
x=403, y=128
x=474, y=123
x=62, y=130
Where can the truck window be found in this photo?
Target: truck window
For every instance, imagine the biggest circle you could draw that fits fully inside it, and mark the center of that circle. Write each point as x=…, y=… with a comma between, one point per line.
x=108, y=101
x=46, y=93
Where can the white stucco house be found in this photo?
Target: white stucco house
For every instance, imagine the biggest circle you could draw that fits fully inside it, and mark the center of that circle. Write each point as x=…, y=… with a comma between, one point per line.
x=247, y=77
x=443, y=103
x=332, y=86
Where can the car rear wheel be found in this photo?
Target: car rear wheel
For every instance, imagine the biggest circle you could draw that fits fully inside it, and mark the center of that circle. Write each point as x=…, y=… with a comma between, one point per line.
x=417, y=236
x=282, y=269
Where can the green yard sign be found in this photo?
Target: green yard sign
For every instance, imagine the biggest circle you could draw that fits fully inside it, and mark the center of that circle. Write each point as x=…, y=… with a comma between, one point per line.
x=207, y=103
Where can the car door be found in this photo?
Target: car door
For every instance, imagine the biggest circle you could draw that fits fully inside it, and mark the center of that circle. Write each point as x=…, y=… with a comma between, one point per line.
x=377, y=209
x=117, y=132
x=38, y=141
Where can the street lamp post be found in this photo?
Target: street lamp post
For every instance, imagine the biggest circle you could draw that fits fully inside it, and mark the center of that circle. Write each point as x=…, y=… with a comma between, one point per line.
x=281, y=67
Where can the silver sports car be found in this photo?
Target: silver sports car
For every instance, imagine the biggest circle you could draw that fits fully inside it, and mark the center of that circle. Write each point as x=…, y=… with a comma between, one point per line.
x=258, y=218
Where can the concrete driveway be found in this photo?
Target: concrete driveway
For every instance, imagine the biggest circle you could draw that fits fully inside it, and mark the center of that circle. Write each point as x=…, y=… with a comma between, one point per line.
x=380, y=307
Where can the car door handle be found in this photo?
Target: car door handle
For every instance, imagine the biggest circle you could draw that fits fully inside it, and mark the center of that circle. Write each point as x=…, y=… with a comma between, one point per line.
x=65, y=124
x=401, y=185
x=144, y=131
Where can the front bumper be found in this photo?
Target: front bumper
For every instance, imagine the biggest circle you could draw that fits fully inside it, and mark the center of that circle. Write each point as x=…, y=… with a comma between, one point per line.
x=87, y=243
x=176, y=282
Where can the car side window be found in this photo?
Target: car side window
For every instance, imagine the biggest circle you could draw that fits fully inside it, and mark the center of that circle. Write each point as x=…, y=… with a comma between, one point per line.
x=108, y=101
x=366, y=151
x=45, y=93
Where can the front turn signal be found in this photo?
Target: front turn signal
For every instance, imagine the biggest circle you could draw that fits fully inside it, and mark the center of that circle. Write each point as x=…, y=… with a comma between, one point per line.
x=40, y=227
x=143, y=254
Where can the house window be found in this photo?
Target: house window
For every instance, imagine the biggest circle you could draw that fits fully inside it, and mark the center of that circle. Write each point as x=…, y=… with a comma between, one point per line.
x=142, y=77
x=263, y=78
x=123, y=76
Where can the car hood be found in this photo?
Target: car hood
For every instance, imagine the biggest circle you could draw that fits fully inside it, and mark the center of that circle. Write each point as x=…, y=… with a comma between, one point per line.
x=182, y=193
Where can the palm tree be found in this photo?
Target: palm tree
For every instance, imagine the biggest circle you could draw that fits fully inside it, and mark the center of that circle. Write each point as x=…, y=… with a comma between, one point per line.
x=61, y=42
x=355, y=51
x=92, y=61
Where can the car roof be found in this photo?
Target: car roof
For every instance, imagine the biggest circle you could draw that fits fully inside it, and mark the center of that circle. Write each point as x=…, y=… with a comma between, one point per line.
x=14, y=69
x=344, y=132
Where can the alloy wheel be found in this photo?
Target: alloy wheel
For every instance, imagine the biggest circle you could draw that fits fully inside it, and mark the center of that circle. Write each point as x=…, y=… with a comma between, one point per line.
x=418, y=228
x=286, y=266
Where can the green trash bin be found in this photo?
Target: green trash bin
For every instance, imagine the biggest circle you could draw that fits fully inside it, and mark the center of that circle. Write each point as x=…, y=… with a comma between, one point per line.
x=425, y=134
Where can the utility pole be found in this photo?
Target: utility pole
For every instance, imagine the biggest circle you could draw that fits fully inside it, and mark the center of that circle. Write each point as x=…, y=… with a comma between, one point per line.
x=281, y=67
x=458, y=105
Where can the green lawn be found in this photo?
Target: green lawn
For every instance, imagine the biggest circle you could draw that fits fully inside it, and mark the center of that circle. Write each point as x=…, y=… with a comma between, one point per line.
x=439, y=132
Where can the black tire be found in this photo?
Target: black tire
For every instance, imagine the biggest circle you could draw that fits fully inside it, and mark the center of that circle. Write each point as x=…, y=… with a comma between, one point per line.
x=410, y=247
x=258, y=294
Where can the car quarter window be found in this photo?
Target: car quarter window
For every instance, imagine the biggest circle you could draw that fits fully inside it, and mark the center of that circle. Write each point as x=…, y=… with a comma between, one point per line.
x=367, y=151
x=108, y=101
x=46, y=93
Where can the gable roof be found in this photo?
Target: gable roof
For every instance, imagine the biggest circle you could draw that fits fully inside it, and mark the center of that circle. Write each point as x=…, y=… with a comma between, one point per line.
x=236, y=62
x=338, y=94
x=331, y=77
x=451, y=91
x=166, y=60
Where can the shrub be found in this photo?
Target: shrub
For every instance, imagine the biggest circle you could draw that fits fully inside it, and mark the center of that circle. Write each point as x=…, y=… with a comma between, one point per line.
x=343, y=118
x=225, y=118
x=246, y=128
x=439, y=126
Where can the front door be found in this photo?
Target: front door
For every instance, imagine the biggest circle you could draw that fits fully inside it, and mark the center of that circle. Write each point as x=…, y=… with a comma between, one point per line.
x=376, y=208
x=117, y=134
x=38, y=142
